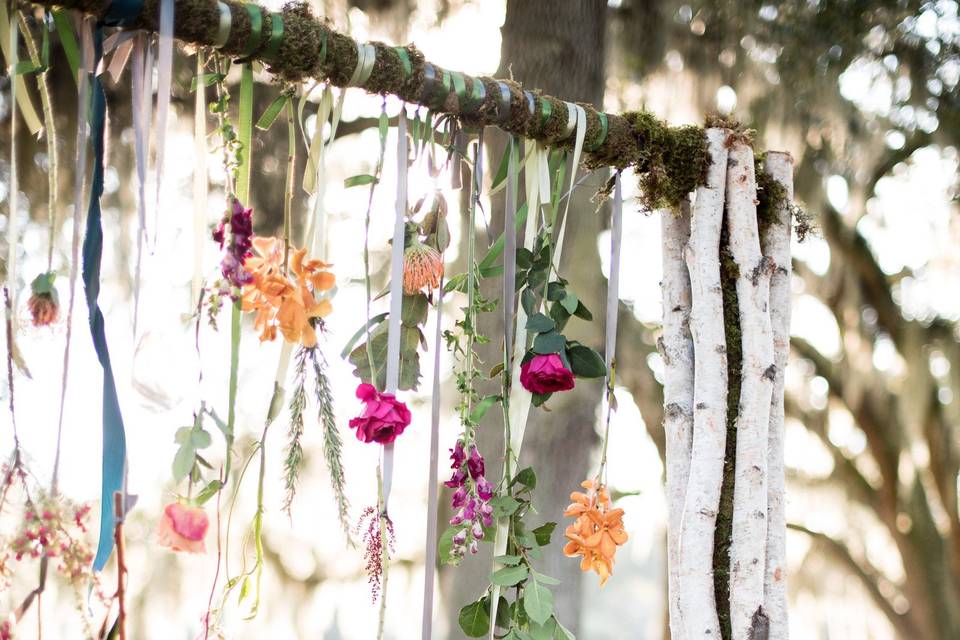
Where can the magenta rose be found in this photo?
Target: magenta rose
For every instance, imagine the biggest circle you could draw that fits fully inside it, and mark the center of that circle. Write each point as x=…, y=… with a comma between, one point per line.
x=546, y=374
x=384, y=417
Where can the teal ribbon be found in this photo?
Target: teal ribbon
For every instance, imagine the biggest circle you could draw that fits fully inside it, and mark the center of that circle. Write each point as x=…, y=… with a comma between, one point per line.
x=114, y=463
x=276, y=37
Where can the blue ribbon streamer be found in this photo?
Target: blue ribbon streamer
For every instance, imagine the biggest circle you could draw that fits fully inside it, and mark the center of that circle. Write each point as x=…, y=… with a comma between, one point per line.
x=114, y=465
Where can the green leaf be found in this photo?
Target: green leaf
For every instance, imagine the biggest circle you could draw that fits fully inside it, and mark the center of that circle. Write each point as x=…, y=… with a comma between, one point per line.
x=409, y=358
x=456, y=283
x=570, y=302
x=543, y=533
x=539, y=323
x=527, y=301
x=504, y=506
x=474, y=619
x=496, y=370
x=550, y=342
x=270, y=115
x=244, y=588
x=374, y=321
x=359, y=180
x=586, y=363
x=562, y=633
x=445, y=546
x=503, y=613
x=543, y=578
x=509, y=576
x=527, y=477
x=510, y=561
x=182, y=435
x=524, y=258
x=208, y=491
x=583, y=312
x=555, y=291
x=481, y=409
x=413, y=310
x=537, y=602
x=183, y=462
x=539, y=399
x=200, y=439
x=207, y=79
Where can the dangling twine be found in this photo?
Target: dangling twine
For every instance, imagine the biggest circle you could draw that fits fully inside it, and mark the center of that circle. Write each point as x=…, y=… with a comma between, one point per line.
x=430, y=564
x=396, y=292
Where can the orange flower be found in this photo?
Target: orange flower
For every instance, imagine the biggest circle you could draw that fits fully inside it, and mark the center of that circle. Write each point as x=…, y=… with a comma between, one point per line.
x=422, y=268
x=287, y=302
x=597, y=531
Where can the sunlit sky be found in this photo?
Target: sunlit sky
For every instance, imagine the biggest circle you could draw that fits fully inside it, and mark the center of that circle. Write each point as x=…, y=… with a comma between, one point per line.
x=909, y=224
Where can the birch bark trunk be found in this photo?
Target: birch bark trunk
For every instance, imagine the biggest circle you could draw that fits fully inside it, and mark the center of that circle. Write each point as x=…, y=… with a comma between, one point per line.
x=776, y=245
x=697, y=603
x=749, y=534
x=676, y=348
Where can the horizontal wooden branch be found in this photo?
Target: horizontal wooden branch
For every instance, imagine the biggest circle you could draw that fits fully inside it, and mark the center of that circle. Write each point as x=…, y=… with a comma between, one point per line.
x=670, y=160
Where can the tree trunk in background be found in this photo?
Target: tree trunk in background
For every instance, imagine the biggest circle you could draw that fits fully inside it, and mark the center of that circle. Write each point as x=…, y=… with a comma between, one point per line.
x=557, y=46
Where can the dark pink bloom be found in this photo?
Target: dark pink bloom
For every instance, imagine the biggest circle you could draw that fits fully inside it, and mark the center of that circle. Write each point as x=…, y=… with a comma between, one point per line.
x=384, y=417
x=546, y=374
x=235, y=234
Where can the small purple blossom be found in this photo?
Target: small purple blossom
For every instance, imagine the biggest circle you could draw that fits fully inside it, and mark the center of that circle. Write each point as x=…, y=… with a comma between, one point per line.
x=234, y=233
x=471, y=498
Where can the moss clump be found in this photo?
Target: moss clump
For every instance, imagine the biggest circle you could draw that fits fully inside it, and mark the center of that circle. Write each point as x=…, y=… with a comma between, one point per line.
x=671, y=161
x=771, y=196
x=554, y=128
x=618, y=150
x=341, y=58
x=300, y=50
x=723, y=534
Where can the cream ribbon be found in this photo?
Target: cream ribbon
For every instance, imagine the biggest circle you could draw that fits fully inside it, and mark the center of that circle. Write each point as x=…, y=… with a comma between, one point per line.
x=366, y=56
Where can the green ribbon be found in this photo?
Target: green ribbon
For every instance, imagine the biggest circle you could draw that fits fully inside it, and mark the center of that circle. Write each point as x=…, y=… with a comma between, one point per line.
x=546, y=109
x=272, y=49
x=603, y=132
x=404, y=56
x=256, y=27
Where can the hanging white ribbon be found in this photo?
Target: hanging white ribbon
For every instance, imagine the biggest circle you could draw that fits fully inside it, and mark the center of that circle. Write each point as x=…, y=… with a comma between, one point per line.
x=613, y=281
x=13, y=196
x=366, y=56
x=396, y=291
x=313, y=176
x=580, y=115
x=140, y=93
x=200, y=186
x=164, y=79
x=430, y=564
x=224, y=25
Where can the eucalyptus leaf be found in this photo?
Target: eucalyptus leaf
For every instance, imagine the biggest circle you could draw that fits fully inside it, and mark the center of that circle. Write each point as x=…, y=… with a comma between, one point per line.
x=509, y=576
x=183, y=462
x=543, y=533
x=537, y=602
x=507, y=560
x=481, y=409
x=474, y=619
x=359, y=180
x=539, y=323
x=586, y=363
x=570, y=302
x=550, y=342
x=414, y=309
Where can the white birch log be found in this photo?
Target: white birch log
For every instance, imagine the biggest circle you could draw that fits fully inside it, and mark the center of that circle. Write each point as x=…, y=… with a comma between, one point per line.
x=749, y=527
x=697, y=603
x=776, y=245
x=676, y=349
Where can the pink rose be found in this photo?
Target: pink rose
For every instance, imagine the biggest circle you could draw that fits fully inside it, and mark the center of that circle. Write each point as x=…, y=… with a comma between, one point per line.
x=545, y=374
x=183, y=528
x=384, y=417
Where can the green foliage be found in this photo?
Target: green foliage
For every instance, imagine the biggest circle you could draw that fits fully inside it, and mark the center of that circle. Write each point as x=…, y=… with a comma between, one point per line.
x=413, y=315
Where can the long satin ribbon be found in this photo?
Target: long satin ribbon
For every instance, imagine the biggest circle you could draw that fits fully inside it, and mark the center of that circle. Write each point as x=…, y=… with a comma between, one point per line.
x=366, y=57
x=613, y=281
x=510, y=258
x=579, y=116
x=396, y=291
x=164, y=81
x=114, y=466
x=140, y=96
x=199, y=180
x=430, y=564
x=224, y=25
x=14, y=189
x=27, y=110
x=83, y=102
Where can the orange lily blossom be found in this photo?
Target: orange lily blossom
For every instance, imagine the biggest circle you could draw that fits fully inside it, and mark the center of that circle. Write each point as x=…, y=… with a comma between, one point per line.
x=290, y=301
x=597, y=531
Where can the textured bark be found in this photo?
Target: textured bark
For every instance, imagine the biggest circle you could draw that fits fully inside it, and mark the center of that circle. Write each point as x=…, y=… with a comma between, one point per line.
x=749, y=539
x=776, y=244
x=695, y=575
x=676, y=349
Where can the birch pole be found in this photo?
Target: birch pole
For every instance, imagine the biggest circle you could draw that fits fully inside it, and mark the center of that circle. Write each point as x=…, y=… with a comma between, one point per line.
x=676, y=349
x=776, y=244
x=749, y=527
x=696, y=600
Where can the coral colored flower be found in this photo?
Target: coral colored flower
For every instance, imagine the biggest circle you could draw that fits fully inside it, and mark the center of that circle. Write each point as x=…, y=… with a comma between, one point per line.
x=596, y=532
x=384, y=417
x=44, y=303
x=183, y=528
x=545, y=374
x=289, y=302
x=422, y=268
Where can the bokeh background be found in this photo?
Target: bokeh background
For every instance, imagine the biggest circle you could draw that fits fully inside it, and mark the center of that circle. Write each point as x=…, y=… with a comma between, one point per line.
x=863, y=93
